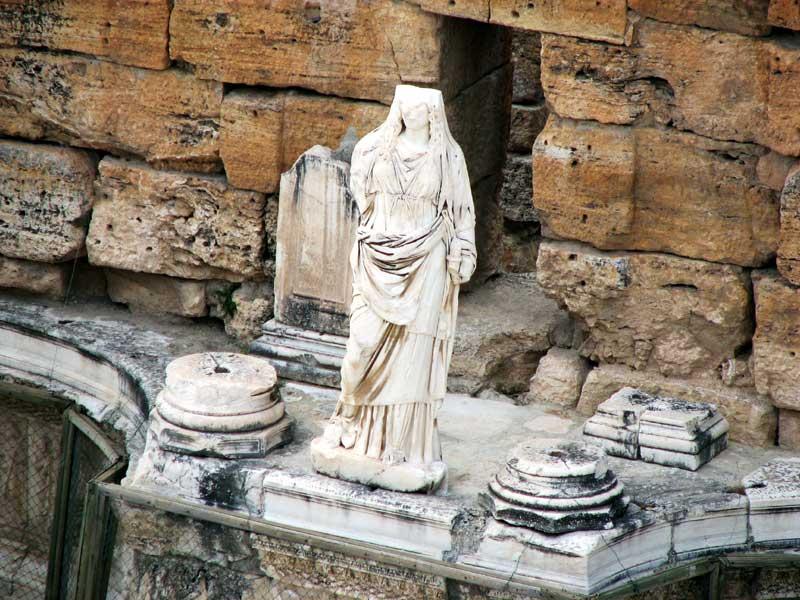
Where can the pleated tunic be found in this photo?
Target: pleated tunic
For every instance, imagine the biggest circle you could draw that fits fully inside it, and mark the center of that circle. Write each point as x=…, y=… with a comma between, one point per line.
x=394, y=373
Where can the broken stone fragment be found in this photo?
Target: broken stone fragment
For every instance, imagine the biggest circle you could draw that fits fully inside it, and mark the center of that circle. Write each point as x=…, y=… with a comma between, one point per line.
x=221, y=405
x=355, y=50
x=167, y=117
x=515, y=193
x=556, y=486
x=189, y=226
x=157, y=294
x=559, y=378
x=776, y=345
x=650, y=188
x=666, y=431
x=34, y=277
x=133, y=33
x=721, y=85
x=504, y=328
x=752, y=418
x=253, y=303
x=657, y=312
x=47, y=194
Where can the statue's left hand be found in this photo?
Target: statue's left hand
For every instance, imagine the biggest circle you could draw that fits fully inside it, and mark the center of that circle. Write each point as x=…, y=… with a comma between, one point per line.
x=466, y=268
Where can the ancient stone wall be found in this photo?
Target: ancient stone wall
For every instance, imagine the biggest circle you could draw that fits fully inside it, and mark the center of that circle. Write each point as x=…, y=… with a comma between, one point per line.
x=143, y=141
x=666, y=183
x=665, y=177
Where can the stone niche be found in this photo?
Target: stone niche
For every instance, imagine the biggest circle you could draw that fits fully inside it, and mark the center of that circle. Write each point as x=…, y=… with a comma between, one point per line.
x=313, y=282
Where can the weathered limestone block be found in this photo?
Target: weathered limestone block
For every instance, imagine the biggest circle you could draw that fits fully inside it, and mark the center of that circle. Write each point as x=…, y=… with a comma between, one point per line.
x=774, y=168
x=190, y=226
x=776, y=344
x=721, y=85
x=752, y=418
x=46, y=193
x=167, y=117
x=592, y=19
x=526, y=123
x=515, y=194
x=34, y=277
x=655, y=312
x=559, y=378
x=351, y=49
x=263, y=133
x=520, y=247
x=504, y=328
x=649, y=188
x=157, y=294
x=784, y=13
x=131, y=32
x=789, y=428
x=789, y=247
x=747, y=18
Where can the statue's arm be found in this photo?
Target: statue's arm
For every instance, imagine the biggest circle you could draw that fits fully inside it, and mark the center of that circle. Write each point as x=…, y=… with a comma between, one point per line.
x=464, y=221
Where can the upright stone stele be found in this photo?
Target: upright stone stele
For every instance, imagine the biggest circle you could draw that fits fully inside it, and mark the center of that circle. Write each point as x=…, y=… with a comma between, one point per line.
x=317, y=220
x=220, y=404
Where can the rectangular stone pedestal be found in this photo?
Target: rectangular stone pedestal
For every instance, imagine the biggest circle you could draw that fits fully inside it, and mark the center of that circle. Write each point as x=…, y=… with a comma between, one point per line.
x=302, y=355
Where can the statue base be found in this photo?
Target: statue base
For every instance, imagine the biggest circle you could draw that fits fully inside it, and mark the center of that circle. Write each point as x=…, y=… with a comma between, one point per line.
x=341, y=463
x=301, y=354
x=231, y=445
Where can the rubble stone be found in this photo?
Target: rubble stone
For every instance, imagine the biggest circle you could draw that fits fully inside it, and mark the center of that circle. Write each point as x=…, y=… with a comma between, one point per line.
x=649, y=188
x=253, y=302
x=753, y=420
x=346, y=49
x=526, y=123
x=516, y=202
x=190, y=226
x=34, y=277
x=721, y=85
x=559, y=378
x=658, y=312
x=166, y=117
x=776, y=344
x=46, y=193
x=157, y=294
x=126, y=32
x=527, y=81
x=520, y=247
x=504, y=327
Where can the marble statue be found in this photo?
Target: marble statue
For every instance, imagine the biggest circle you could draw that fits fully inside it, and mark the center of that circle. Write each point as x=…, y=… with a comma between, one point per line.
x=415, y=247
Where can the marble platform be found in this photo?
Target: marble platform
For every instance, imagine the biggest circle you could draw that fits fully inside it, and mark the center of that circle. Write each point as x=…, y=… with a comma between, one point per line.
x=113, y=362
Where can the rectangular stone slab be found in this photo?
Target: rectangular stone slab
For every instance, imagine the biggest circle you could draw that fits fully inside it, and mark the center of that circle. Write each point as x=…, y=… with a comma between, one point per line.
x=46, y=194
x=130, y=32
x=190, y=226
x=747, y=18
x=347, y=48
x=166, y=117
x=34, y=277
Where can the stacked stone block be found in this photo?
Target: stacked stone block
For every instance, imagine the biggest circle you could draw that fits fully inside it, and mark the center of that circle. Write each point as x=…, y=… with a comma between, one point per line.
x=161, y=128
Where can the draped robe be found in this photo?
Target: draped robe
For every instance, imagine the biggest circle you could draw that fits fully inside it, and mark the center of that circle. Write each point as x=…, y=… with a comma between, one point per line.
x=414, y=205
